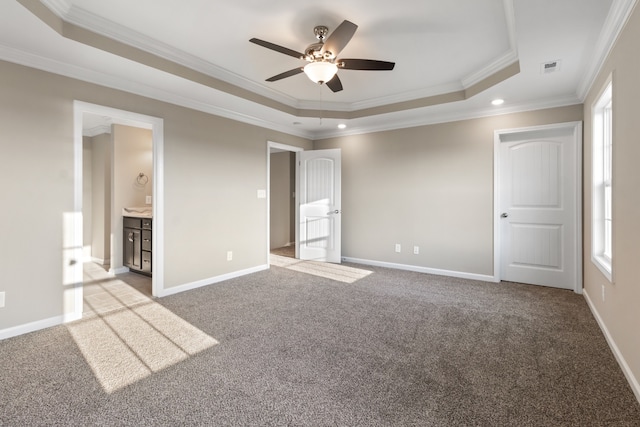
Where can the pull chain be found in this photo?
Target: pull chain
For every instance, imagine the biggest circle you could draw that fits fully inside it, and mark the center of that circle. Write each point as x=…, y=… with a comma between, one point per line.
x=321, y=106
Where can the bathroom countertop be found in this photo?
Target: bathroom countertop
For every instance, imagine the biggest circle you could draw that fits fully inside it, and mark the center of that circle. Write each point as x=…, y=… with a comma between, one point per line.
x=142, y=212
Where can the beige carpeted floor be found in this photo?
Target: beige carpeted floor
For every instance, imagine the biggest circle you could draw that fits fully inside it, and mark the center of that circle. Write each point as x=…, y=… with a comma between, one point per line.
x=287, y=347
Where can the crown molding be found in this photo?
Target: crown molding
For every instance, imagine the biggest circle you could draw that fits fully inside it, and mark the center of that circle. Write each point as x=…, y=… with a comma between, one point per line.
x=62, y=9
x=94, y=23
x=446, y=117
x=407, y=96
x=616, y=20
x=77, y=16
x=495, y=67
x=102, y=79
x=324, y=105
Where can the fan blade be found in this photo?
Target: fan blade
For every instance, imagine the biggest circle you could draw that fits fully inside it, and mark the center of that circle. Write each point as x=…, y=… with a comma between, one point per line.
x=277, y=48
x=365, y=64
x=335, y=84
x=286, y=74
x=339, y=38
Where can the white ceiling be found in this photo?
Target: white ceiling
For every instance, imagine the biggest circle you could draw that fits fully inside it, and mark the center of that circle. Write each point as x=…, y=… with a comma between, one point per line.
x=438, y=46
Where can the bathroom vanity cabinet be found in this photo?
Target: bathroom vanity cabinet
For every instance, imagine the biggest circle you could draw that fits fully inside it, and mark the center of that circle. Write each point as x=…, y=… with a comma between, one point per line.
x=137, y=244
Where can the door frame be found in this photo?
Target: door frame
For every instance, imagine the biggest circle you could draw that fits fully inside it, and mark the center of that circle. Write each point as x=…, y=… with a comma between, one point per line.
x=576, y=130
x=285, y=147
x=156, y=125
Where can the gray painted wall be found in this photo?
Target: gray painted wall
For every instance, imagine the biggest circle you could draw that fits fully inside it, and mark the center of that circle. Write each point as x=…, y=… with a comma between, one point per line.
x=282, y=213
x=213, y=168
x=101, y=161
x=619, y=311
x=429, y=186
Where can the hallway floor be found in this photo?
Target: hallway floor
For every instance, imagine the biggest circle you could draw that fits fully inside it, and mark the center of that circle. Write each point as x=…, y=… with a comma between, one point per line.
x=286, y=251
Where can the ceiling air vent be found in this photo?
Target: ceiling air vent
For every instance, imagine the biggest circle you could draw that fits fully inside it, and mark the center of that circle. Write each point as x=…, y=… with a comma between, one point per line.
x=550, y=67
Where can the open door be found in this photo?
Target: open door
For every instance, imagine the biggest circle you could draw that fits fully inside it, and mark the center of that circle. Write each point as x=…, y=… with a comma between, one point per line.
x=319, y=217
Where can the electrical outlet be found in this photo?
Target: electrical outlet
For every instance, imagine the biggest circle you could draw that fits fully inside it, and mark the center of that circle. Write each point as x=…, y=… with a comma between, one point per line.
x=602, y=293
x=398, y=248
x=229, y=255
x=1, y=299
x=416, y=250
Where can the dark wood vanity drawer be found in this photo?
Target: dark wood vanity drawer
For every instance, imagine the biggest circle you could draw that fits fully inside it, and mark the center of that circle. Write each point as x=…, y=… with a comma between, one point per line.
x=132, y=222
x=146, y=262
x=137, y=241
x=146, y=240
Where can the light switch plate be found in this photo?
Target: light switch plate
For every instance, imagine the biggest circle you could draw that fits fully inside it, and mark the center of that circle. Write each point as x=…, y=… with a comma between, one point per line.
x=262, y=194
x=1, y=299
x=148, y=200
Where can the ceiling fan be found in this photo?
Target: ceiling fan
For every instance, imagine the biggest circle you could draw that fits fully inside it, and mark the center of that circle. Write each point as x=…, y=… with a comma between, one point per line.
x=322, y=57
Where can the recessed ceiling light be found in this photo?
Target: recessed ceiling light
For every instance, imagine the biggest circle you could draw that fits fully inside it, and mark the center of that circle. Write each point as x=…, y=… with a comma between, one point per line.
x=342, y=126
x=497, y=102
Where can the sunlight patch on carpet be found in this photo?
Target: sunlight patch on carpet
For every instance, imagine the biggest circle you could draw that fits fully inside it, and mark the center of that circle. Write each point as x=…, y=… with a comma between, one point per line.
x=338, y=272
x=129, y=343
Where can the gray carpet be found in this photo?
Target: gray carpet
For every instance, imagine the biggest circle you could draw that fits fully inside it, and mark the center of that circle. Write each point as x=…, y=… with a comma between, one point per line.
x=391, y=349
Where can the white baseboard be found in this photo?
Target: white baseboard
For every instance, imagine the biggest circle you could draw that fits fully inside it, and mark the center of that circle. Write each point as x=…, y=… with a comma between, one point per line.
x=633, y=381
x=210, y=281
x=418, y=269
x=89, y=258
x=32, y=327
x=114, y=271
x=59, y=320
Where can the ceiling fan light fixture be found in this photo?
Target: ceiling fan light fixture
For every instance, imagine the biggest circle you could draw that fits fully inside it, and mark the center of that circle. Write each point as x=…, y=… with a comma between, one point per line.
x=321, y=56
x=320, y=71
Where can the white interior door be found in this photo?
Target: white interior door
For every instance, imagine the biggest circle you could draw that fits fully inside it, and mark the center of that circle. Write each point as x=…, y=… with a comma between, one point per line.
x=319, y=218
x=539, y=193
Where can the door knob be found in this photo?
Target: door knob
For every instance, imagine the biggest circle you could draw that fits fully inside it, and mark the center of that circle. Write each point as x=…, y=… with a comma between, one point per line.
x=333, y=212
x=504, y=215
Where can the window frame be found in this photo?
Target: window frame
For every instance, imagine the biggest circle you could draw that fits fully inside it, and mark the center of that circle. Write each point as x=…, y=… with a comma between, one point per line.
x=602, y=223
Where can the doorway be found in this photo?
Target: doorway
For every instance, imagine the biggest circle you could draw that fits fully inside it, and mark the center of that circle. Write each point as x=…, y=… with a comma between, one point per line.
x=133, y=120
x=537, y=206
x=282, y=233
